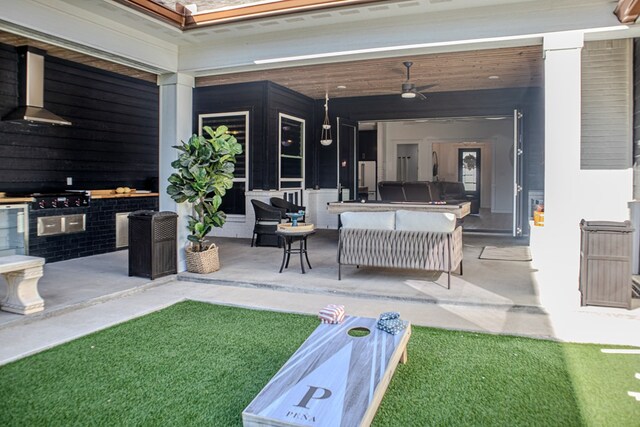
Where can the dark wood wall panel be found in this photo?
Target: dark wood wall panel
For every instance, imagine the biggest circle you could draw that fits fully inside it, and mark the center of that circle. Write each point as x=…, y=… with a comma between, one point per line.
x=238, y=97
x=286, y=101
x=113, y=140
x=264, y=101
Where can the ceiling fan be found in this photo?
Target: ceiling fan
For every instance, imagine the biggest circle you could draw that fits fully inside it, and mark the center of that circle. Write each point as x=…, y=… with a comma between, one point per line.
x=409, y=89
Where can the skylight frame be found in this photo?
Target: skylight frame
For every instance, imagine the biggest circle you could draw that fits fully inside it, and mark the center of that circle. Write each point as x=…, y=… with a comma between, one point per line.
x=185, y=20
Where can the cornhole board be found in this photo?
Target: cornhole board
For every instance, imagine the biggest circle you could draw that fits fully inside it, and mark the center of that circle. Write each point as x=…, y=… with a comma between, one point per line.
x=333, y=379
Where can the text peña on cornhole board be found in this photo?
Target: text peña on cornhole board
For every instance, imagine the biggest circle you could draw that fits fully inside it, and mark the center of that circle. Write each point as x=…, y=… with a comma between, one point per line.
x=333, y=379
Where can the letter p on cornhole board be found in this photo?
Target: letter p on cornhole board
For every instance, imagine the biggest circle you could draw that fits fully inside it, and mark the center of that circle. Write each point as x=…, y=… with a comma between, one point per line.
x=334, y=379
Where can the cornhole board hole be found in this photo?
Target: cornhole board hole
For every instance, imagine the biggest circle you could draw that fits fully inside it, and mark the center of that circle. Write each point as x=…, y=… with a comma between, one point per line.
x=333, y=379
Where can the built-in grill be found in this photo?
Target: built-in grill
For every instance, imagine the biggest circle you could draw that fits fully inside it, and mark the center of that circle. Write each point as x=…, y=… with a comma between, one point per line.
x=60, y=200
x=59, y=212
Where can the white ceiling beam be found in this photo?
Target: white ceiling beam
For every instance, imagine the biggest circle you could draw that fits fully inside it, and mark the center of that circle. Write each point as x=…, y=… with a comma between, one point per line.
x=70, y=26
x=495, y=26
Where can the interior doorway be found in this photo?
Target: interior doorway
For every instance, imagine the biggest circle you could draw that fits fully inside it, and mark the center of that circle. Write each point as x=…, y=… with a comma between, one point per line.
x=469, y=171
x=440, y=146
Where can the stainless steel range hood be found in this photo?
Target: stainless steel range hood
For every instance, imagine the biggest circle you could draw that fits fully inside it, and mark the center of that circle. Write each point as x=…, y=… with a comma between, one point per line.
x=31, y=90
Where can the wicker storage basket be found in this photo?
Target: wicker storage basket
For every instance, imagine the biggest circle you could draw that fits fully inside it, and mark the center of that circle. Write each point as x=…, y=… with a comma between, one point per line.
x=203, y=262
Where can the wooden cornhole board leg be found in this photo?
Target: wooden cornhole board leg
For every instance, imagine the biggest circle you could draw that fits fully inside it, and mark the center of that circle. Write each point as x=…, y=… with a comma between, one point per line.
x=333, y=379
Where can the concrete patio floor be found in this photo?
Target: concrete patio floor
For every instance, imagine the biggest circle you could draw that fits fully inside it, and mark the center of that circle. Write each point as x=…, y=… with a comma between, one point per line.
x=93, y=293
x=506, y=284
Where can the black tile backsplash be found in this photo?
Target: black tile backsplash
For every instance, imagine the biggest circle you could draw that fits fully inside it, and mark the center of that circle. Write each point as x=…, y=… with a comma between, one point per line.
x=100, y=234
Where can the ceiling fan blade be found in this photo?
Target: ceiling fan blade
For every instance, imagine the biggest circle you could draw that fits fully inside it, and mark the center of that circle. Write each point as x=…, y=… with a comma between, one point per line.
x=421, y=96
x=425, y=87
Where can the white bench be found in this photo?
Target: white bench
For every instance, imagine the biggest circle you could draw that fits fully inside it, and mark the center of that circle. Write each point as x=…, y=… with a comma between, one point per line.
x=22, y=274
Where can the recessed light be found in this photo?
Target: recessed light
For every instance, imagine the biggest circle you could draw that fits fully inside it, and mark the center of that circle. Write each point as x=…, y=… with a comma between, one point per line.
x=341, y=87
x=494, y=77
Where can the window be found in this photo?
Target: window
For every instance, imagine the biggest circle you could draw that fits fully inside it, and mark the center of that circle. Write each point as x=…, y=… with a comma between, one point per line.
x=291, y=152
x=233, y=203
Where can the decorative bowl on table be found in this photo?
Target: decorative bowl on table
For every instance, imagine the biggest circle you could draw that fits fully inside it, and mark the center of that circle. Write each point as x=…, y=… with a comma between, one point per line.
x=295, y=216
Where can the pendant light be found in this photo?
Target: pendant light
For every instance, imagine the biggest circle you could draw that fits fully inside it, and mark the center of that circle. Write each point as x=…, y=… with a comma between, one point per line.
x=325, y=137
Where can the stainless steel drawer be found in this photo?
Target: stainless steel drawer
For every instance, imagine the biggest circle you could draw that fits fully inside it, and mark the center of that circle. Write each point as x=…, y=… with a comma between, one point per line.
x=62, y=224
x=122, y=229
x=49, y=225
x=74, y=223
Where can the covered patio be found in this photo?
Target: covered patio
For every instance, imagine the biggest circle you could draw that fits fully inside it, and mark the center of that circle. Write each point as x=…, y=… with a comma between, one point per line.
x=92, y=293
x=502, y=285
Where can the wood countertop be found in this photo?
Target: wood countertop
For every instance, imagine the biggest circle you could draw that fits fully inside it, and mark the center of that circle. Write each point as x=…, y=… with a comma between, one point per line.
x=95, y=194
x=122, y=195
x=6, y=200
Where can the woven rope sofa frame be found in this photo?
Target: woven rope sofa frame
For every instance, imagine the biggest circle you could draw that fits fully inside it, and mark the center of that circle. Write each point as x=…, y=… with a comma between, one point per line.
x=418, y=250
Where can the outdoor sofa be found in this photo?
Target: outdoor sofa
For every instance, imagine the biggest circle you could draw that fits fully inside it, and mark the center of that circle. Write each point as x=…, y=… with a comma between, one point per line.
x=401, y=239
x=426, y=191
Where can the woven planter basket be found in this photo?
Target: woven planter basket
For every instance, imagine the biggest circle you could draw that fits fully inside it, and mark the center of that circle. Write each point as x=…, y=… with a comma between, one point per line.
x=203, y=262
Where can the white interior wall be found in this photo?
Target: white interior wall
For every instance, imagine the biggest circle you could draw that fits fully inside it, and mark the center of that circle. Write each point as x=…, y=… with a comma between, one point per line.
x=497, y=137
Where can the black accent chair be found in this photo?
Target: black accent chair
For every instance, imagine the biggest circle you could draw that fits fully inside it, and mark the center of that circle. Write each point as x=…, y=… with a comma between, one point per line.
x=391, y=191
x=266, y=225
x=287, y=207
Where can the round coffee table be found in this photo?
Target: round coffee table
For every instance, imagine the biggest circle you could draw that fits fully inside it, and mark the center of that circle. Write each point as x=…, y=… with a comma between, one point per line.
x=289, y=237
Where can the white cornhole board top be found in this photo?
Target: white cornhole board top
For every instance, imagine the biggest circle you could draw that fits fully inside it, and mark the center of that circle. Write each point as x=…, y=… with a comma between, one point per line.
x=333, y=379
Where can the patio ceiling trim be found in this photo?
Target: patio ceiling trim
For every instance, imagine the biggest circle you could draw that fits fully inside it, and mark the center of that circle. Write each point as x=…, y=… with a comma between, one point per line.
x=186, y=20
x=157, y=11
x=627, y=11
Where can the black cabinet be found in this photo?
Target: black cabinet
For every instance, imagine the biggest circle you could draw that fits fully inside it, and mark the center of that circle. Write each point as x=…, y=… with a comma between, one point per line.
x=152, y=244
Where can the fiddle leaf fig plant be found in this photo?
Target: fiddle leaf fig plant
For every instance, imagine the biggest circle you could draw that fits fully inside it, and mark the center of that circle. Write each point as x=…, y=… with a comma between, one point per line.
x=204, y=174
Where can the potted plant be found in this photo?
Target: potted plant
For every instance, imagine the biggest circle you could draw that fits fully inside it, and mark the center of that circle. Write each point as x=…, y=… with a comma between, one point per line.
x=204, y=174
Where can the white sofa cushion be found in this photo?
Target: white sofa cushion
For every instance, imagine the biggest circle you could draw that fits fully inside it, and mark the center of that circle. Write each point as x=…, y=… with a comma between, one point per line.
x=368, y=220
x=437, y=222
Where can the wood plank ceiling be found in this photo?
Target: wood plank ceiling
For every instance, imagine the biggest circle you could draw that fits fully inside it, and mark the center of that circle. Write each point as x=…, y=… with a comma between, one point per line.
x=59, y=52
x=459, y=71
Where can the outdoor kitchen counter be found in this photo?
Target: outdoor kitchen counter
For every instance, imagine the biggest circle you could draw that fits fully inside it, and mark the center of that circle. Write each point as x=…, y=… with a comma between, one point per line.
x=117, y=196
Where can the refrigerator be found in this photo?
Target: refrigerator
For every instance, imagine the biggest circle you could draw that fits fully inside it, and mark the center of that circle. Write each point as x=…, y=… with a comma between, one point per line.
x=367, y=181
x=14, y=229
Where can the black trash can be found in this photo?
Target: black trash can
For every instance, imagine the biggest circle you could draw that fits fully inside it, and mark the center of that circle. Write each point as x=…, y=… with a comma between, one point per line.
x=605, y=263
x=153, y=244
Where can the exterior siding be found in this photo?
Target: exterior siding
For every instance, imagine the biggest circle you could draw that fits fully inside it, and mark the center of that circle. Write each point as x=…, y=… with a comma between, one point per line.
x=112, y=142
x=607, y=97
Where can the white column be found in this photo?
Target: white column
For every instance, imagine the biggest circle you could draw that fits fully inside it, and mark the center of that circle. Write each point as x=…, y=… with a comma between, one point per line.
x=561, y=243
x=176, y=116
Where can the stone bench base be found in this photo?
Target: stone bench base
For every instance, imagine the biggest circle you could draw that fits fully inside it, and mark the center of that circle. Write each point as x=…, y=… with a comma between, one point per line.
x=22, y=274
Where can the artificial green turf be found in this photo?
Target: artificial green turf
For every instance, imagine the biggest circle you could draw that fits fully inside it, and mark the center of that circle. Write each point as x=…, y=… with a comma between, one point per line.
x=201, y=364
